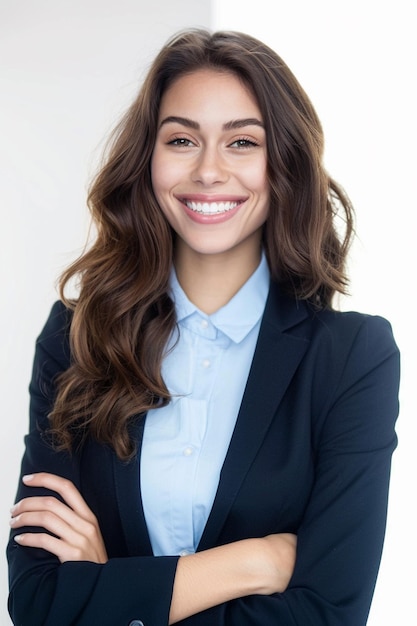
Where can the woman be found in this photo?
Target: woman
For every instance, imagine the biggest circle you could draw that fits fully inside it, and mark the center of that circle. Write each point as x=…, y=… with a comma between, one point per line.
x=210, y=441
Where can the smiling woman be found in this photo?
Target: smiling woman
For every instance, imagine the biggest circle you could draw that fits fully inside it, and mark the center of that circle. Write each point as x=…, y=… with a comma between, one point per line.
x=201, y=418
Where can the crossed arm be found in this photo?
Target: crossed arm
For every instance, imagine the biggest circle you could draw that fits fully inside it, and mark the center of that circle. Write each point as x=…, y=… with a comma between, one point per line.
x=252, y=566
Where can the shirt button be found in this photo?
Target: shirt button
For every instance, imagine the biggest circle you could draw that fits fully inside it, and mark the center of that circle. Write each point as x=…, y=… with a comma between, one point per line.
x=136, y=622
x=184, y=552
x=188, y=451
x=204, y=324
x=206, y=363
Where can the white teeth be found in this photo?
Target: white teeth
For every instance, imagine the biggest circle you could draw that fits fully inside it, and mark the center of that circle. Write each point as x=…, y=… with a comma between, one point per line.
x=209, y=208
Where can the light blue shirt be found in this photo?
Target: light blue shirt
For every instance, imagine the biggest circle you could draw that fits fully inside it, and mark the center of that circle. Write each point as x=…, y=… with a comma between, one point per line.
x=185, y=443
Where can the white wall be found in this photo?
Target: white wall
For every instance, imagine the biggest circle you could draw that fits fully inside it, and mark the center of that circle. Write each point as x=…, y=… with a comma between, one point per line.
x=68, y=69
x=356, y=60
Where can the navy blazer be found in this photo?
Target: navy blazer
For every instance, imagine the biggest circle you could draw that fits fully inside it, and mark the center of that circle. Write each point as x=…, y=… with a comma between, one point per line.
x=310, y=455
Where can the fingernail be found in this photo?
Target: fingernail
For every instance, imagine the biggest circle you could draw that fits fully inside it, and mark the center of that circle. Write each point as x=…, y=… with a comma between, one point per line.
x=13, y=509
x=18, y=538
x=27, y=478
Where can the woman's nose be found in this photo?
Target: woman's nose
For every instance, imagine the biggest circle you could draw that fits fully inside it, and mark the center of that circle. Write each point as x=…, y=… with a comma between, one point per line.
x=210, y=167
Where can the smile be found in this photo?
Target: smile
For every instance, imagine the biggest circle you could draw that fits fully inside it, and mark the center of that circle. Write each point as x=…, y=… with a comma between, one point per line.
x=211, y=208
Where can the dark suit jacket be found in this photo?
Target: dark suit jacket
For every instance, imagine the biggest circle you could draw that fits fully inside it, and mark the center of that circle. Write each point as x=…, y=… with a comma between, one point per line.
x=310, y=455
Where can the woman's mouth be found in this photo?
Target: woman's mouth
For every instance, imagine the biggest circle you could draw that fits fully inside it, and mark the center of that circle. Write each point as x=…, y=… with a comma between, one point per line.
x=211, y=208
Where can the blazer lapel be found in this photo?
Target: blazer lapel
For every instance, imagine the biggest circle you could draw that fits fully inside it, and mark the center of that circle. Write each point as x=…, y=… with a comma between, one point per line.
x=277, y=356
x=127, y=485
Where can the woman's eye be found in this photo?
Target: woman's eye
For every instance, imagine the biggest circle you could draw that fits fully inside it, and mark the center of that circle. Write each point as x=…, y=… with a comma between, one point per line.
x=243, y=143
x=181, y=141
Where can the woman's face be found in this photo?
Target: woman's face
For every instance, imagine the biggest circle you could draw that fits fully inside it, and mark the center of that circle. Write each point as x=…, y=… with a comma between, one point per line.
x=209, y=164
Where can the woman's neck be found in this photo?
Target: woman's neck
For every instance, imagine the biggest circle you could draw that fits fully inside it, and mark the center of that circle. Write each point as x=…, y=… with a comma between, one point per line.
x=210, y=281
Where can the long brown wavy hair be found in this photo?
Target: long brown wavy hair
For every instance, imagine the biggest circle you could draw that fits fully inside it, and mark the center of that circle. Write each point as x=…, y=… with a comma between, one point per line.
x=123, y=315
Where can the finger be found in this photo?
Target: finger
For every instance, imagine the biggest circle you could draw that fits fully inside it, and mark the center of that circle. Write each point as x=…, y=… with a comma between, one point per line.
x=44, y=504
x=57, y=519
x=64, y=487
x=52, y=504
x=47, y=521
x=76, y=544
x=59, y=548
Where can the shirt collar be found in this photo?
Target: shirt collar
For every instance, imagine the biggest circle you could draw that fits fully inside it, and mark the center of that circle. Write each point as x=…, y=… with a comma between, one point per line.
x=237, y=318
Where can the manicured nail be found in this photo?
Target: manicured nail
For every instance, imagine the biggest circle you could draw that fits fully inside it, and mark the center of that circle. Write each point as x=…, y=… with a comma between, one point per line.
x=18, y=538
x=27, y=478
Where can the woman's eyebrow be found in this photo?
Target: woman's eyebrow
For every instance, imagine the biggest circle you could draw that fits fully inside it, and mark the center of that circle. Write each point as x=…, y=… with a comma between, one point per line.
x=185, y=121
x=248, y=121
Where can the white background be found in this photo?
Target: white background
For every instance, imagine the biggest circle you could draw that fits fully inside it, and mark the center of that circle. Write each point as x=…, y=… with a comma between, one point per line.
x=69, y=68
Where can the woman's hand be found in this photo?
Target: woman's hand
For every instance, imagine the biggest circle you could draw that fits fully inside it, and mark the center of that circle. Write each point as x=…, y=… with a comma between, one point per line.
x=77, y=533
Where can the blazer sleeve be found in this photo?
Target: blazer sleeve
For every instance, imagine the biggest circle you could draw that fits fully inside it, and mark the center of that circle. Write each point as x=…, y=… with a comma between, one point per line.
x=43, y=591
x=341, y=535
